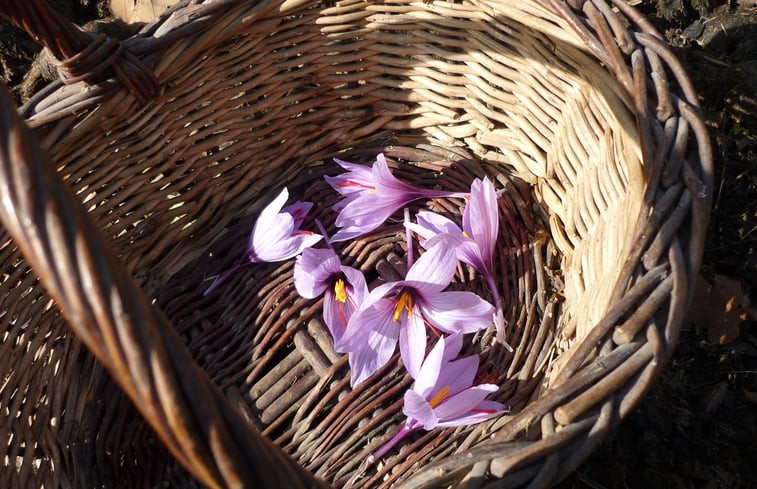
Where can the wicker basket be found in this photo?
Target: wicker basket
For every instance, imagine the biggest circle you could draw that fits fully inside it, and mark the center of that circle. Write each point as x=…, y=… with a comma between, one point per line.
x=578, y=109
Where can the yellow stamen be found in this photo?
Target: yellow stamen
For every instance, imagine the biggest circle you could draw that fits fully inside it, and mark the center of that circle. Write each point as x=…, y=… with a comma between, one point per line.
x=340, y=291
x=465, y=235
x=439, y=397
x=405, y=302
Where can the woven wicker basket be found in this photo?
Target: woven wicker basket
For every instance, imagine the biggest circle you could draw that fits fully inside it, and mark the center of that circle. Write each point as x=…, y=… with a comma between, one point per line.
x=578, y=109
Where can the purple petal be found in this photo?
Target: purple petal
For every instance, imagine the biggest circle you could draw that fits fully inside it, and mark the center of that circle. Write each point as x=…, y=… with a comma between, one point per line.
x=436, y=224
x=378, y=349
x=371, y=316
x=268, y=214
x=357, y=289
x=425, y=381
x=452, y=345
x=362, y=215
x=267, y=233
x=482, y=412
x=481, y=217
x=469, y=252
x=298, y=211
x=457, y=375
x=336, y=315
x=461, y=403
x=386, y=183
x=412, y=342
x=284, y=249
x=313, y=271
x=358, y=178
x=457, y=312
x=433, y=271
x=348, y=232
x=418, y=409
x=368, y=210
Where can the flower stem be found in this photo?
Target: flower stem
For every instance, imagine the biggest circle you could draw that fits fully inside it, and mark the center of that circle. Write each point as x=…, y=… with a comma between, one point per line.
x=224, y=276
x=325, y=234
x=499, y=317
x=402, y=433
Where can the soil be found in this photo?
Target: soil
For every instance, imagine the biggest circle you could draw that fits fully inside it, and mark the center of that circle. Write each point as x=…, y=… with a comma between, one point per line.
x=697, y=427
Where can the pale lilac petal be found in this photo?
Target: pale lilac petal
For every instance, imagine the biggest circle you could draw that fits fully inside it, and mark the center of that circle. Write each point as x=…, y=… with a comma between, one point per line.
x=425, y=381
x=368, y=210
x=313, y=271
x=286, y=248
x=336, y=314
x=347, y=233
x=357, y=288
x=469, y=252
x=267, y=233
x=412, y=342
x=368, y=318
x=363, y=215
x=374, y=354
x=484, y=411
x=433, y=271
x=339, y=206
x=417, y=408
x=388, y=183
x=481, y=217
x=457, y=312
x=457, y=375
x=269, y=212
x=358, y=178
x=298, y=211
x=460, y=403
x=436, y=224
x=452, y=345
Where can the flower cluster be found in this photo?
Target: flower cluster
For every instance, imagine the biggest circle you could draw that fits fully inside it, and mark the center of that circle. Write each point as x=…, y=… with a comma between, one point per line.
x=368, y=324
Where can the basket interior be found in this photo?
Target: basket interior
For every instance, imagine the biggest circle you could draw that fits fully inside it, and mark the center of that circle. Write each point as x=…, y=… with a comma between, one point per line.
x=262, y=99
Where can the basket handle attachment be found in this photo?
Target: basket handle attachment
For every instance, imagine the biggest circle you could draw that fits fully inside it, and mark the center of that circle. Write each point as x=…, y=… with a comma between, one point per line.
x=116, y=321
x=80, y=55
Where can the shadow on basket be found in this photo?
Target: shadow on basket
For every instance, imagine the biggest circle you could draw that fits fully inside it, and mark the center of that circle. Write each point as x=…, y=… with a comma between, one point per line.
x=578, y=115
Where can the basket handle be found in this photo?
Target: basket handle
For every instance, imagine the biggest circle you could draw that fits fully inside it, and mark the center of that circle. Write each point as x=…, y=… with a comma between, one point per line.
x=115, y=320
x=80, y=55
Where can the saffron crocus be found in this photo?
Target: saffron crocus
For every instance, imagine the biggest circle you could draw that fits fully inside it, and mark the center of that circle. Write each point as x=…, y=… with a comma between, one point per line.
x=444, y=395
x=475, y=242
x=369, y=201
x=276, y=235
x=319, y=271
x=401, y=311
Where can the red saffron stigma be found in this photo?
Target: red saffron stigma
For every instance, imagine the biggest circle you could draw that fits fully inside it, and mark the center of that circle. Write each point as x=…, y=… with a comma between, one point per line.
x=350, y=183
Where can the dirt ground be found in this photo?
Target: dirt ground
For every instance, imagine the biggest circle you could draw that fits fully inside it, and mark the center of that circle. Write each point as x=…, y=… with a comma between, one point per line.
x=697, y=427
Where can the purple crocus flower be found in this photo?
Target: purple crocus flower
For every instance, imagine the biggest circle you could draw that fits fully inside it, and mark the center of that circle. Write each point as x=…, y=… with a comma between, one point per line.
x=401, y=311
x=276, y=235
x=444, y=395
x=475, y=242
x=371, y=196
x=319, y=271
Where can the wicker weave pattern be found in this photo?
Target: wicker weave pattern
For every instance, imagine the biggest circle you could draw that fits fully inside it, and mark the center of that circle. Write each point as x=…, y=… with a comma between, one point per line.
x=256, y=96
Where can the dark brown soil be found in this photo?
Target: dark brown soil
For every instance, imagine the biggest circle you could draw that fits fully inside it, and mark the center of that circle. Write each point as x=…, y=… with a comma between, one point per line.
x=697, y=427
